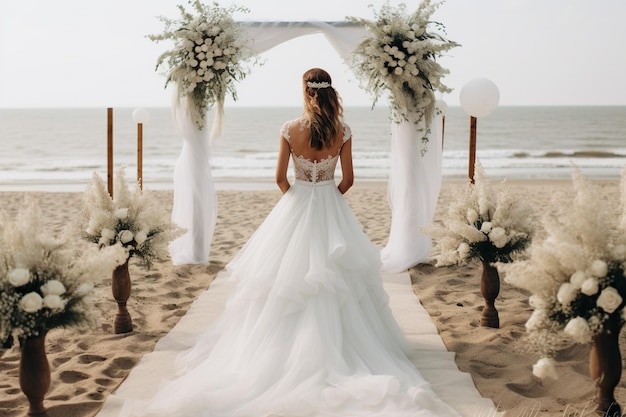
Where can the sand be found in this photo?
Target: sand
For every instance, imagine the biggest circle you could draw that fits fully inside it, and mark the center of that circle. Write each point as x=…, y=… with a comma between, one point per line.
x=86, y=368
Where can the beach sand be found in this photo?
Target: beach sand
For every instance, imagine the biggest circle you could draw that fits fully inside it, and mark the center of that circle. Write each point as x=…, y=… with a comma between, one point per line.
x=86, y=368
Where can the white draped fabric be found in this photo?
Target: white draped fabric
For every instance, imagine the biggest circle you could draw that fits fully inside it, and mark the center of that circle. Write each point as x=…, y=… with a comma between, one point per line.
x=414, y=185
x=414, y=181
x=343, y=36
x=195, y=198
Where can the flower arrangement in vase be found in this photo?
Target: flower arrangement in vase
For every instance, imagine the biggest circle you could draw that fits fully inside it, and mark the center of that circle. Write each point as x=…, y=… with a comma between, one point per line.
x=46, y=282
x=489, y=223
x=398, y=56
x=576, y=277
x=132, y=221
x=210, y=54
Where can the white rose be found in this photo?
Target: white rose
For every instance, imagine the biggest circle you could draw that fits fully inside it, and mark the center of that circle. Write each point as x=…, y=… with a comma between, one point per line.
x=398, y=71
x=192, y=63
x=141, y=237
x=598, y=269
x=578, y=278
x=18, y=277
x=566, y=294
x=121, y=213
x=498, y=237
x=578, y=329
x=108, y=234
x=84, y=289
x=545, y=368
x=126, y=236
x=486, y=227
x=609, y=300
x=53, y=287
x=53, y=302
x=463, y=249
x=31, y=302
x=412, y=59
x=589, y=286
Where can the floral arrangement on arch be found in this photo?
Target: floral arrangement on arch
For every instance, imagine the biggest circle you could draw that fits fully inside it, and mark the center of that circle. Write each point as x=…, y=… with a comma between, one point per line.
x=486, y=222
x=576, y=275
x=399, y=57
x=132, y=220
x=46, y=282
x=210, y=54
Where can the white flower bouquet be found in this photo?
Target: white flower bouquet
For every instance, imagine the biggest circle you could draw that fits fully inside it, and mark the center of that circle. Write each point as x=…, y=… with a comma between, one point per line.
x=132, y=220
x=486, y=222
x=576, y=275
x=209, y=55
x=399, y=57
x=46, y=282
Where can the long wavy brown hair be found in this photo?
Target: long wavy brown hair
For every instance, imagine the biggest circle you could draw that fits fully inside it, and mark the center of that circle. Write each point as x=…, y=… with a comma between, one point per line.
x=322, y=109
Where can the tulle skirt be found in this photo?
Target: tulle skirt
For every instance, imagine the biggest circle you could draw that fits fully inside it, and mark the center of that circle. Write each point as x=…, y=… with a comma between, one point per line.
x=307, y=331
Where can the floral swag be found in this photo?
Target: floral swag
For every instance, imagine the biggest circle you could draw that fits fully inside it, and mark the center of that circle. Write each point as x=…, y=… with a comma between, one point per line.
x=209, y=56
x=399, y=57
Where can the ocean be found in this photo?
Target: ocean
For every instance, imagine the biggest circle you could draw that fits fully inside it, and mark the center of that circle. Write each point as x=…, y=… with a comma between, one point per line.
x=60, y=149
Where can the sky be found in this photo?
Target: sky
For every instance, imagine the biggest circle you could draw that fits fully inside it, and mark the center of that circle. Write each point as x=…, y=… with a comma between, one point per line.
x=88, y=53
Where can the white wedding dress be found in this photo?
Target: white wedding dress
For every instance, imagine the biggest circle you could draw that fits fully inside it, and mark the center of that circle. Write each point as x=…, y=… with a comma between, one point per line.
x=308, y=330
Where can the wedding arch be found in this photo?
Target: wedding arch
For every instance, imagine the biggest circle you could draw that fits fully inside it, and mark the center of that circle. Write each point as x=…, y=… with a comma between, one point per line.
x=414, y=177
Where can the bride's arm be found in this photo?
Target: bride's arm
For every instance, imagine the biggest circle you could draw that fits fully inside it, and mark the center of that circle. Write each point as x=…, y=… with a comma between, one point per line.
x=282, y=164
x=346, y=167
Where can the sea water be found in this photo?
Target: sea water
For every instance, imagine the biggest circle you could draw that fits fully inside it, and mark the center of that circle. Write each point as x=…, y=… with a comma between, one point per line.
x=60, y=149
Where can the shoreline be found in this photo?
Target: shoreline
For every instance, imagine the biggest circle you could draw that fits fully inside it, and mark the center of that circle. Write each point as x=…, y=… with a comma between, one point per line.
x=268, y=184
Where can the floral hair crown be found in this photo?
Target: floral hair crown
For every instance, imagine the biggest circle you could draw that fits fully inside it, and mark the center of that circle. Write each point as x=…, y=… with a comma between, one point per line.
x=317, y=85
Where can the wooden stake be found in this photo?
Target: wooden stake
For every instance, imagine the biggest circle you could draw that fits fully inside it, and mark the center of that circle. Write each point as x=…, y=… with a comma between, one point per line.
x=110, y=150
x=443, y=128
x=140, y=155
x=472, y=148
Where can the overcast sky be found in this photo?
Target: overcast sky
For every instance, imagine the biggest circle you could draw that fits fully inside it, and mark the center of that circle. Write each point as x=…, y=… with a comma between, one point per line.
x=88, y=53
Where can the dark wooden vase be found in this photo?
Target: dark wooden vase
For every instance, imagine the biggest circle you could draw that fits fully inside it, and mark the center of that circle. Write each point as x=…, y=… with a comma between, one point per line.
x=489, y=289
x=120, y=286
x=605, y=369
x=35, y=374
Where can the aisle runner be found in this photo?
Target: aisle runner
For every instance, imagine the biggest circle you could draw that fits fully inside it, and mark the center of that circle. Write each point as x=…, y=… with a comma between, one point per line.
x=428, y=352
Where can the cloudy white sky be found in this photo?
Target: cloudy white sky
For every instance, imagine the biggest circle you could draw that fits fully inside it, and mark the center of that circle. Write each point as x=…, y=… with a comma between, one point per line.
x=88, y=53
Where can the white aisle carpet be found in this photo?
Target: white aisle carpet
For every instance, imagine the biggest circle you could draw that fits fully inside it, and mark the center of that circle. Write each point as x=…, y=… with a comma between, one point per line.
x=428, y=352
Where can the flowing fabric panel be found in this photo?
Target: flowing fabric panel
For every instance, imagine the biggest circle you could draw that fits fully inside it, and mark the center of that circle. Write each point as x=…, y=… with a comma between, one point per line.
x=195, y=197
x=414, y=185
x=344, y=37
x=307, y=331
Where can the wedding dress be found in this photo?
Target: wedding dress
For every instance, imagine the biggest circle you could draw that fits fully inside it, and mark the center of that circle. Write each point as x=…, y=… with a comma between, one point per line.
x=308, y=330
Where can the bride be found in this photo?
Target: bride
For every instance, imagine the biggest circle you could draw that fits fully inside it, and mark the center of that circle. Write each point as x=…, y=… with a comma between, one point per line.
x=308, y=330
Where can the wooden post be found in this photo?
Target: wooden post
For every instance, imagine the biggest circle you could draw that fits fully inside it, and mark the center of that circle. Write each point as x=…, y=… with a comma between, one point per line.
x=443, y=128
x=472, y=148
x=110, y=150
x=140, y=155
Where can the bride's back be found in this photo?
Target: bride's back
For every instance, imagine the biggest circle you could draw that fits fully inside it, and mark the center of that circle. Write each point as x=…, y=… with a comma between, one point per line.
x=300, y=138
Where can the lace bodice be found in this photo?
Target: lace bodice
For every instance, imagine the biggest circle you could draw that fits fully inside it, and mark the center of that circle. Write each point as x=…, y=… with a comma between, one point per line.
x=314, y=171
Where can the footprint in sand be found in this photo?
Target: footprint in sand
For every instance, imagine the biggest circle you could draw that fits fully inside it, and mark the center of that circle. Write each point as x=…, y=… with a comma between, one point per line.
x=87, y=359
x=119, y=366
x=528, y=390
x=58, y=361
x=71, y=377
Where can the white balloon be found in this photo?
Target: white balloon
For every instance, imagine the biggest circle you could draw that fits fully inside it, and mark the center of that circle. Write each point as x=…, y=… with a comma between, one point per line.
x=141, y=115
x=479, y=97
